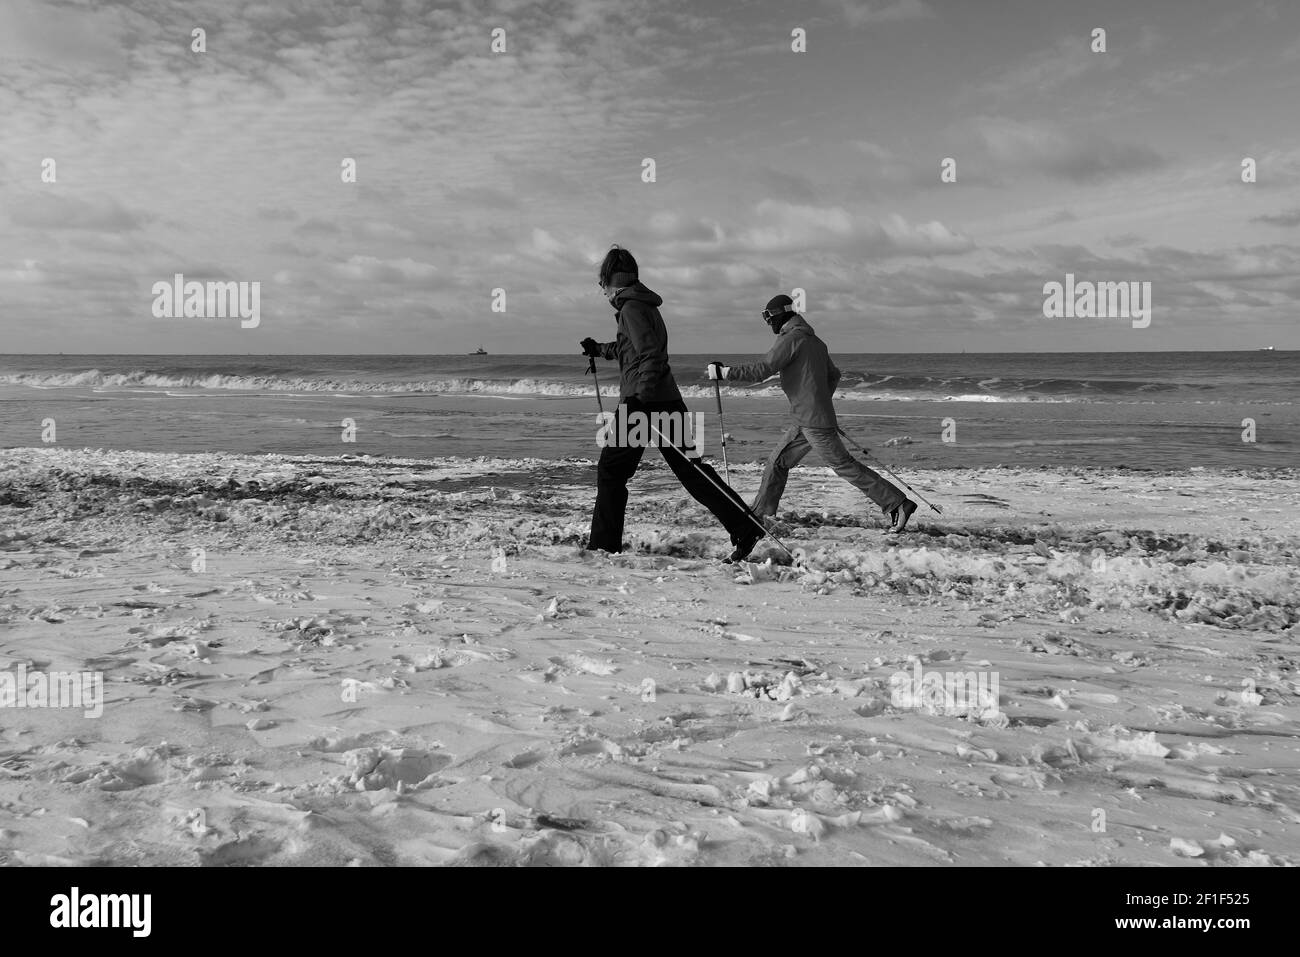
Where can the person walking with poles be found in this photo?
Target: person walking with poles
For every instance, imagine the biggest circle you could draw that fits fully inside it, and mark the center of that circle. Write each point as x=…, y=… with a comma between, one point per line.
x=808, y=377
x=647, y=387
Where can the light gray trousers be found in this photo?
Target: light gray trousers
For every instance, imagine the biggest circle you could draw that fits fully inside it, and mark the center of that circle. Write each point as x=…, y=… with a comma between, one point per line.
x=798, y=442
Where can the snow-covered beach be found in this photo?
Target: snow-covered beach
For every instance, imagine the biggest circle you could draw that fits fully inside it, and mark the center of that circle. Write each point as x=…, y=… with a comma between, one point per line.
x=395, y=661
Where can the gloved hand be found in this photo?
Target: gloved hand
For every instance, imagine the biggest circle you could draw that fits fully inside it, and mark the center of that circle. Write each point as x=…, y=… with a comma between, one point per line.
x=590, y=347
x=716, y=370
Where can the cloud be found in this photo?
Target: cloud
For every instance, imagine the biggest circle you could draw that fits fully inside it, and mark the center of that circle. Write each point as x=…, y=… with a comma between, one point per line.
x=29, y=270
x=929, y=239
x=678, y=227
x=545, y=248
x=791, y=186
x=51, y=210
x=382, y=230
x=858, y=13
x=75, y=39
x=1058, y=217
x=773, y=234
x=1081, y=156
x=314, y=226
x=277, y=213
x=1005, y=294
x=477, y=171
x=1040, y=73
x=884, y=171
x=369, y=269
x=1286, y=219
x=1124, y=240
x=482, y=197
x=781, y=227
x=719, y=275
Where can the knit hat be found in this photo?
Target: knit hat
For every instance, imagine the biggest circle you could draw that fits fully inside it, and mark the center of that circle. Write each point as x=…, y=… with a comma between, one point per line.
x=778, y=306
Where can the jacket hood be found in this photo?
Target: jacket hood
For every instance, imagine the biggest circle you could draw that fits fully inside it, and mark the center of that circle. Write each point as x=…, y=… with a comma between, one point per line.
x=626, y=288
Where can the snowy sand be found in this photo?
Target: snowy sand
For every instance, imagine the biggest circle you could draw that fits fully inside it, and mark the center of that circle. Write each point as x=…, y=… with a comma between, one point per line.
x=410, y=662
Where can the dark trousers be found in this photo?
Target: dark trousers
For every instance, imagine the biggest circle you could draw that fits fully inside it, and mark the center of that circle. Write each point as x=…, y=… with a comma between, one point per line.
x=618, y=464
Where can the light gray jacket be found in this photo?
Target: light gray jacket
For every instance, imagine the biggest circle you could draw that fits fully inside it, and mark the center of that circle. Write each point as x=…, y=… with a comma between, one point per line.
x=808, y=375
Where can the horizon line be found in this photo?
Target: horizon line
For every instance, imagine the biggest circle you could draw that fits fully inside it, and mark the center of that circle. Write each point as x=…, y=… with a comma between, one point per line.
x=465, y=355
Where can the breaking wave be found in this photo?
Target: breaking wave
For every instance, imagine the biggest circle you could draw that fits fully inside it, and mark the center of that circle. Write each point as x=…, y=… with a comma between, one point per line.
x=525, y=378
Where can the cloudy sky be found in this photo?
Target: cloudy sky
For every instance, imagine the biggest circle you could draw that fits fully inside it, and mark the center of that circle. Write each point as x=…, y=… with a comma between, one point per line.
x=775, y=169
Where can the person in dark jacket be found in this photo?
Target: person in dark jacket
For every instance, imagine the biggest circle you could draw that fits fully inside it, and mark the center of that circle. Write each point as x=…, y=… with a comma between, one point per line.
x=808, y=377
x=647, y=386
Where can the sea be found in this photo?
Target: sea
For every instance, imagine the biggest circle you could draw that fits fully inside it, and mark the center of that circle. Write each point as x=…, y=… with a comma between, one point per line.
x=1140, y=410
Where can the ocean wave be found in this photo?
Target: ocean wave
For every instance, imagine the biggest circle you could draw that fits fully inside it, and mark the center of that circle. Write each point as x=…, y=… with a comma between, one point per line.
x=138, y=380
x=141, y=381
x=854, y=387
x=1046, y=443
x=939, y=397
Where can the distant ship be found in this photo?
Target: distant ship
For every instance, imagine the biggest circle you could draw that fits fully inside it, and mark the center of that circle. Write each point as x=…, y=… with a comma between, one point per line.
x=1266, y=349
x=480, y=351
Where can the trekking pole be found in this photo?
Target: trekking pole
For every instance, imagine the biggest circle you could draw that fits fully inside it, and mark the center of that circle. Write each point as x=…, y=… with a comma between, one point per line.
x=748, y=511
x=722, y=427
x=591, y=367
x=886, y=470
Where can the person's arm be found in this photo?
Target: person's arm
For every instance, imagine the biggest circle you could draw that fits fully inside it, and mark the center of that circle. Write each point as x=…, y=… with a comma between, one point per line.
x=833, y=371
x=777, y=358
x=599, y=350
x=650, y=350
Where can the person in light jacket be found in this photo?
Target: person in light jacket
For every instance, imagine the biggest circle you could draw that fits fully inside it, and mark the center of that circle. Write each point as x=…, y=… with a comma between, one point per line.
x=808, y=377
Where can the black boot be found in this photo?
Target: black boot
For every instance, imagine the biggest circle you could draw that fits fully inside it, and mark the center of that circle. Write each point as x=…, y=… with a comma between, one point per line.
x=744, y=543
x=899, y=517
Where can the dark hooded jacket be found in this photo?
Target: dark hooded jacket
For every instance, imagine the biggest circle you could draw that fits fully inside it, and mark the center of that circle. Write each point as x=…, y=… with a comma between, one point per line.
x=642, y=344
x=808, y=375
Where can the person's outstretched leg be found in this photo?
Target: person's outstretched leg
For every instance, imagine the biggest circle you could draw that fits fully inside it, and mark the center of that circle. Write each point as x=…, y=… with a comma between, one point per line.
x=784, y=457
x=826, y=443
x=616, y=466
x=700, y=480
x=708, y=488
